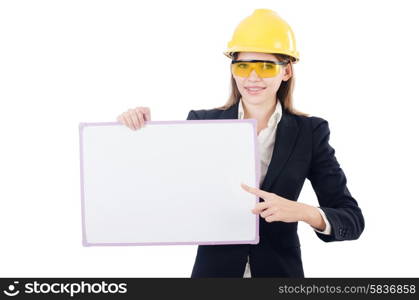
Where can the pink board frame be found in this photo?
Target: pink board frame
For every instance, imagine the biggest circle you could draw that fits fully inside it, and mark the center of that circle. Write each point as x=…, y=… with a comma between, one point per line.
x=253, y=122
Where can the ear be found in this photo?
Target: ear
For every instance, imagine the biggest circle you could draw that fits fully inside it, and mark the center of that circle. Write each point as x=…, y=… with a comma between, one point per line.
x=287, y=72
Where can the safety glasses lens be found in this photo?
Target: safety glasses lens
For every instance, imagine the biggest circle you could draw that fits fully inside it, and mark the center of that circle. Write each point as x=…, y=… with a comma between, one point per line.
x=263, y=69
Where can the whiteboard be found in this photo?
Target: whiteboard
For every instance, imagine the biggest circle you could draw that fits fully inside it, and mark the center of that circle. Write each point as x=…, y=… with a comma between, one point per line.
x=168, y=183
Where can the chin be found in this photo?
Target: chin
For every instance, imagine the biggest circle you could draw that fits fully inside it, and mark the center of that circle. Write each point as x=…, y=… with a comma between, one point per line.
x=254, y=99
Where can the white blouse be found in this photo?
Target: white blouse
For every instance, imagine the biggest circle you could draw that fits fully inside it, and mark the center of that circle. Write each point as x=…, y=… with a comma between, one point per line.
x=266, y=141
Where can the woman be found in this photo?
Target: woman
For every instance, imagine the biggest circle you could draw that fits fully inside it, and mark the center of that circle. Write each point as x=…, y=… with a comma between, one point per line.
x=293, y=147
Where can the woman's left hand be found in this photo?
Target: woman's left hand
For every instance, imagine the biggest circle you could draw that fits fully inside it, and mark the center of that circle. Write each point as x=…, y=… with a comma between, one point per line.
x=277, y=208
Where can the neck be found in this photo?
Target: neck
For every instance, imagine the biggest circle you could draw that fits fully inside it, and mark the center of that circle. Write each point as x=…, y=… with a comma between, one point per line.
x=261, y=112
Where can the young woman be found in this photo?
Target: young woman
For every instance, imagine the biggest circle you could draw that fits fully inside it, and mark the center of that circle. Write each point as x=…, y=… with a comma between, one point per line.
x=293, y=147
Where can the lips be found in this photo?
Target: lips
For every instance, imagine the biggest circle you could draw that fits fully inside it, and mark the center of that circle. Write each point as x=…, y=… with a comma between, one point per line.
x=253, y=90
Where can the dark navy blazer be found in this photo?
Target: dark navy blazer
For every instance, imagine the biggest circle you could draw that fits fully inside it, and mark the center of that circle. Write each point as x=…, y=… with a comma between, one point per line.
x=301, y=151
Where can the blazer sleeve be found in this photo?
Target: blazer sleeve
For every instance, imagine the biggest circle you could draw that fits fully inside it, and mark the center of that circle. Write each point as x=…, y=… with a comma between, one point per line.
x=329, y=183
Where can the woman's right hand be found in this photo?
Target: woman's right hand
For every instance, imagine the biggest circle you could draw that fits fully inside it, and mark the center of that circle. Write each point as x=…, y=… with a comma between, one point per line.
x=135, y=118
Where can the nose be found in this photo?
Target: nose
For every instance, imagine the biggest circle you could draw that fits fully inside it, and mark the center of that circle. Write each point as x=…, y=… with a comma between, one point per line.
x=253, y=76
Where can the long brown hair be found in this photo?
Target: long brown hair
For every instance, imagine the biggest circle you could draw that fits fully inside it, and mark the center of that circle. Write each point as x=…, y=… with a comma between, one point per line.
x=284, y=93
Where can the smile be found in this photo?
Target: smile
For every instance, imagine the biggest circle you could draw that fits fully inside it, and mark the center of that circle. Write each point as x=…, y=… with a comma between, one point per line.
x=254, y=90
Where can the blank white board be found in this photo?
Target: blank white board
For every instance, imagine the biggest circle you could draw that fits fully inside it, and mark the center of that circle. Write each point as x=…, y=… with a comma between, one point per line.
x=170, y=182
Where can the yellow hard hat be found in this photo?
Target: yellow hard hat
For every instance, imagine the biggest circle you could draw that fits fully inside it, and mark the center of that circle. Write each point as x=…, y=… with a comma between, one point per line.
x=263, y=31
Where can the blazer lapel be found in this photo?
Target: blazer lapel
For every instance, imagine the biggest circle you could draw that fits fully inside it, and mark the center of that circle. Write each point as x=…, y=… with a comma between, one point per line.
x=286, y=136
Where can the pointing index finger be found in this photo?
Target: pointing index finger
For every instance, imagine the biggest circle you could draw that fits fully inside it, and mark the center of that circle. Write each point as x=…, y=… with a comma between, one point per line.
x=255, y=191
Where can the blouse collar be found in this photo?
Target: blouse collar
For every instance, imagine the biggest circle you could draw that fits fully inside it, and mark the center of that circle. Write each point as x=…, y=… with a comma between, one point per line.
x=273, y=120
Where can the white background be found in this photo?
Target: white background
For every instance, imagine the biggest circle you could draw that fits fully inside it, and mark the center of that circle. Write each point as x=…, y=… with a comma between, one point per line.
x=65, y=62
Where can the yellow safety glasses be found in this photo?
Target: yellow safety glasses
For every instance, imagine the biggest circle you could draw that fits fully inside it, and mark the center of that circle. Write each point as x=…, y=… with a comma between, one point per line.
x=264, y=68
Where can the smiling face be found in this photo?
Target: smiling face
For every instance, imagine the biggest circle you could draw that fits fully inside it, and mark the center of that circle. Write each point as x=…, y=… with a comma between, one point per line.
x=257, y=90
